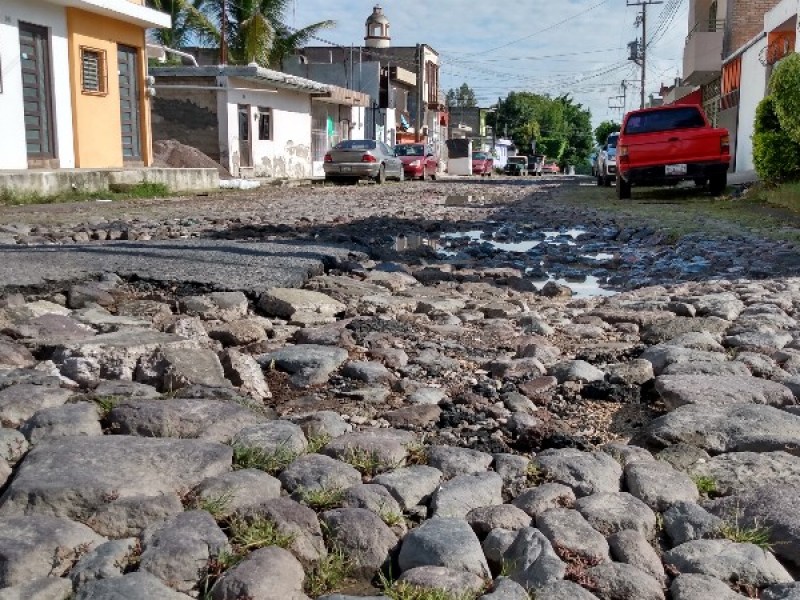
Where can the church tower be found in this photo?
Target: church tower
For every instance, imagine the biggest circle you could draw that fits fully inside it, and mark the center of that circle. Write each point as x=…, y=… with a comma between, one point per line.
x=378, y=30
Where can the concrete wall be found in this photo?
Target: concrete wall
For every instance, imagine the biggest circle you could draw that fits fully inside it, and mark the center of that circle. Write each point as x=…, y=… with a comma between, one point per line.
x=98, y=131
x=755, y=74
x=288, y=153
x=13, y=151
x=366, y=76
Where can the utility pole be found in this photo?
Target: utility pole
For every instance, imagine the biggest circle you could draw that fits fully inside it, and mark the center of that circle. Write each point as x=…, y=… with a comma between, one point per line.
x=223, y=47
x=639, y=49
x=420, y=92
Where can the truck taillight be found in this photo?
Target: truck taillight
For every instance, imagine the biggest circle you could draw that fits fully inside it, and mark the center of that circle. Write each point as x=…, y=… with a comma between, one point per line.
x=368, y=158
x=328, y=157
x=622, y=153
x=725, y=144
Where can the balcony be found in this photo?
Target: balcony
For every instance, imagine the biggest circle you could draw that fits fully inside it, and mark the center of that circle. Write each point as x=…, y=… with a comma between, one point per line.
x=702, y=55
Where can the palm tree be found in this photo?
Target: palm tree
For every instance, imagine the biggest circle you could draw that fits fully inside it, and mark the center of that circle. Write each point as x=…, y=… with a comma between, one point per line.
x=254, y=30
x=187, y=20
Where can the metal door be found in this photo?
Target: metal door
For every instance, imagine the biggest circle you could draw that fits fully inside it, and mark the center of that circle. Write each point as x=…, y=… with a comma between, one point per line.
x=36, y=90
x=245, y=157
x=129, y=102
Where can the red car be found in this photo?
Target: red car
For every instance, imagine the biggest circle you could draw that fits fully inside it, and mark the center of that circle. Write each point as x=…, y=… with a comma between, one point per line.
x=419, y=161
x=668, y=144
x=482, y=164
x=551, y=168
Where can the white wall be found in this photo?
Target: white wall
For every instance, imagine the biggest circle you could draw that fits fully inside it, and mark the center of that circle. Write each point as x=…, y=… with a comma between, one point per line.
x=288, y=153
x=13, y=154
x=754, y=88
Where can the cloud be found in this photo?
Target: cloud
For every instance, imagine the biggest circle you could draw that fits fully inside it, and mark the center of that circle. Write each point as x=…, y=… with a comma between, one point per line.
x=585, y=57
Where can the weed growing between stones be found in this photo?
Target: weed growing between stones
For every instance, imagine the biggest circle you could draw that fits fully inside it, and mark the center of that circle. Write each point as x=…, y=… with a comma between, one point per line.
x=578, y=567
x=328, y=574
x=706, y=485
x=64, y=559
x=106, y=404
x=734, y=531
x=217, y=506
x=399, y=590
x=321, y=499
x=248, y=534
x=391, y=518
x=368, y=463
x=535, y=475
x=417, y=454
x=215, y=569
x=274, y=462
x=317, y=442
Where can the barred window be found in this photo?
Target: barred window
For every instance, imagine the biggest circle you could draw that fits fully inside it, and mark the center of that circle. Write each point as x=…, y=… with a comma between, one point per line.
x=93, y=71
x=264, y=124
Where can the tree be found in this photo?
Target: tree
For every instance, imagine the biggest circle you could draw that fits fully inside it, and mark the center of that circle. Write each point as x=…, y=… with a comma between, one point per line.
x=463, y=97
x=187, y=20
x=605, y=129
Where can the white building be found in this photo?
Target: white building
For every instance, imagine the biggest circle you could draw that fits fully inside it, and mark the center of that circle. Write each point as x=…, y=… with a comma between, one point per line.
x=255, y=122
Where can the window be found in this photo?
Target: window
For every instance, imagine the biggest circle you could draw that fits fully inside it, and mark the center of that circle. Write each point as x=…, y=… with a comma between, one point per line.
x=93, y=71
x=356, y=145
x=264, y=124
x=665, y=120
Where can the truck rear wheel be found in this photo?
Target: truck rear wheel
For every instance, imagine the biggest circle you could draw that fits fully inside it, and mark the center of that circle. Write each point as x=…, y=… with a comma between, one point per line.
x=717, y=184
x=623, y=189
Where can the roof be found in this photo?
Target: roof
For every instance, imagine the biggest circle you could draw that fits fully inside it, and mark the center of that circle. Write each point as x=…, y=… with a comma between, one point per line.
x=121, y=10
x=252, y=73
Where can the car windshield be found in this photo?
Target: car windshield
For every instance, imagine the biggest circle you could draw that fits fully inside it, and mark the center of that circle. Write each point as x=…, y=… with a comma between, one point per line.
x=612, y=141
x=479, y=156
x=409, y=150
x=665, y=120
x=355, y=145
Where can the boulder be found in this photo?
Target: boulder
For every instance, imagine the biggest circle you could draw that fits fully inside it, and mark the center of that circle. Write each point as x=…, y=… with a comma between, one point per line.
x=609, y=513
x=220, y=306
x=45, y=588
x=106, y=561
x=536, y=501
x=738, y=472
x=308, y=364
x=700, y=587
x=21, y=401
x=632, y=548
x=364, y=538
x=81, y=418
x=243, y=371
x=585, y=472
x=569, y=532
x=454, y=583
x=285, y=302
x=458, y=496
x=531, y=560
x=269, y=573
x=618, y=581
x=170, y=369
x=410, y=486
x=658, y=485
x=502, y=516
x=432, y=543
x=453, y=461
x=237, y=491
x=678, y=390
x=687, y=521
x=271, y=437
x=133, y=586
x=387, y=448
x=318, y=472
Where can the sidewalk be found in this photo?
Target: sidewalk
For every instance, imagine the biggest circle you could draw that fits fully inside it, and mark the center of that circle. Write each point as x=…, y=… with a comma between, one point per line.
x=742, y=177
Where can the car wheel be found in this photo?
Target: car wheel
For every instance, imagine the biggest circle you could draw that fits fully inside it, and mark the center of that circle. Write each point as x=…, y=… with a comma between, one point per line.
x=402, y=177
x=717, y=184
x=623, y=189
x=599, y=181
x=433, y=176
x=381, y=177
x=700, y=182
x=607, y=181
x=424, y=176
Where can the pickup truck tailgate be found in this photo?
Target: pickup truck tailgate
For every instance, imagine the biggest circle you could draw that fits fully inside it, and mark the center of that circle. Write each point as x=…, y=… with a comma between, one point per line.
x=673, y=147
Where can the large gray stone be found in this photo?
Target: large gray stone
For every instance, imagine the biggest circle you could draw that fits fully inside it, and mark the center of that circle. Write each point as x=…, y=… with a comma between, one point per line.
x=723, y=305
x=170, y=369
x=586, y=473
x=664, y=330
x=363, y=537
x=568, y=531
x=243, y=371
x=269, y=573
x=504, y=588
x=367, y=371
x=237, y=491
x=457, y=584
x=13, y=355
x=458, y=496
x=284, y=302
x=705, y=367
x=742, y=471
x=658, y=485
x=271, y=437
x=531, y=560
x=106, y=561
x=609, y=513
x=631, y=547
x=452, y=461
x=76, y=476
x=385, y=447
x=318, y=472
x=308, y=364
x=41, y=546
x=564, y=590
x=782, y=591
x=548, y=496
x=118, y=353
x=664, y=356
x=618, y=581
x=46, y=588
x=759, y=341
x=576, y=370
x=181, y=418
x=728, y=561
x=432, y=544
x=687, y=521
x=495, y=546
x=178, y=551
x=20, y=402
x=410, y=485
x=130, y=516
x=222, y=306
x=373, y=497
x=701, y=587
x=133, y=586
x=502, y=516
x=725, y=428
x=13, y=445
x=678, y=390
x=81, y=418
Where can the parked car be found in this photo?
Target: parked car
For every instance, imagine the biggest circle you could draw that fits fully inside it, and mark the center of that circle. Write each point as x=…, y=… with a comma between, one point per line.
x=668, y=144
x=419, y=160
x=536, y=164
x=607, y=161
x=593, y=159
x=352, y=160
x=482, y=164
x=551, y=168
x=516, y=165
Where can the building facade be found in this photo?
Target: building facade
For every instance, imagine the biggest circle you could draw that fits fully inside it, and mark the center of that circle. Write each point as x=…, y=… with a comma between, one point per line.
x=255, y=122
x=73, y=87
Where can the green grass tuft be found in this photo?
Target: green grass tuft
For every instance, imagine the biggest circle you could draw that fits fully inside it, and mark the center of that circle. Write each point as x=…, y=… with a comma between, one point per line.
x=318, y=442
x=399, y=590
x=257, y=532
x=368, y=463
x=11, y=197
x=246, y=457
x=328, y=574
x=321, y=499
x=705, y=485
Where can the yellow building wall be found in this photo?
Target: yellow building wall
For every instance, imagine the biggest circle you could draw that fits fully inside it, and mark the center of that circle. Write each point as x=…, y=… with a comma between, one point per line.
x=96, y=118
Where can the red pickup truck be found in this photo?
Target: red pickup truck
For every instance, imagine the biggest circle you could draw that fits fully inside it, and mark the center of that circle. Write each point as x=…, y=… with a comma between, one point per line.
x=668, y=144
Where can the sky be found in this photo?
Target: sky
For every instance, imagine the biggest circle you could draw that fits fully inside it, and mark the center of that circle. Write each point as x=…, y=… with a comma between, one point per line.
x=544, y=46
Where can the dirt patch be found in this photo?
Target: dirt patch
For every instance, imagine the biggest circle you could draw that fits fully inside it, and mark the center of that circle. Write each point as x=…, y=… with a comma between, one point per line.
x=171, y=154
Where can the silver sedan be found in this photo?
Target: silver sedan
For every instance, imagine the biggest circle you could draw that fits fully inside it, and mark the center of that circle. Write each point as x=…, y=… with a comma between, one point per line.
x=351, y=160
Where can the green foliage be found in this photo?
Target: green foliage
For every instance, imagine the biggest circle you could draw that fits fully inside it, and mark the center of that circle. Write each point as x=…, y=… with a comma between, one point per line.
x=785, y=87
x=328, y=574
x=140, y=190
x=391, y=518
x=462, y=97
x=317, y=442
x=217, y=506
x=246, y=457
x=399, y=590
x=766, y=117
x=322, y=498
x=760, y=536
x=369, y=463
x=248, y=534
x=605, y=129
x=775, y=154
x=705, y=485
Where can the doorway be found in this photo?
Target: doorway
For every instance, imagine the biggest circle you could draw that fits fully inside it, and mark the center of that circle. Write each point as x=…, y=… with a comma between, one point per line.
x=245, y=155
x=129, y=103
x=37, y=94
